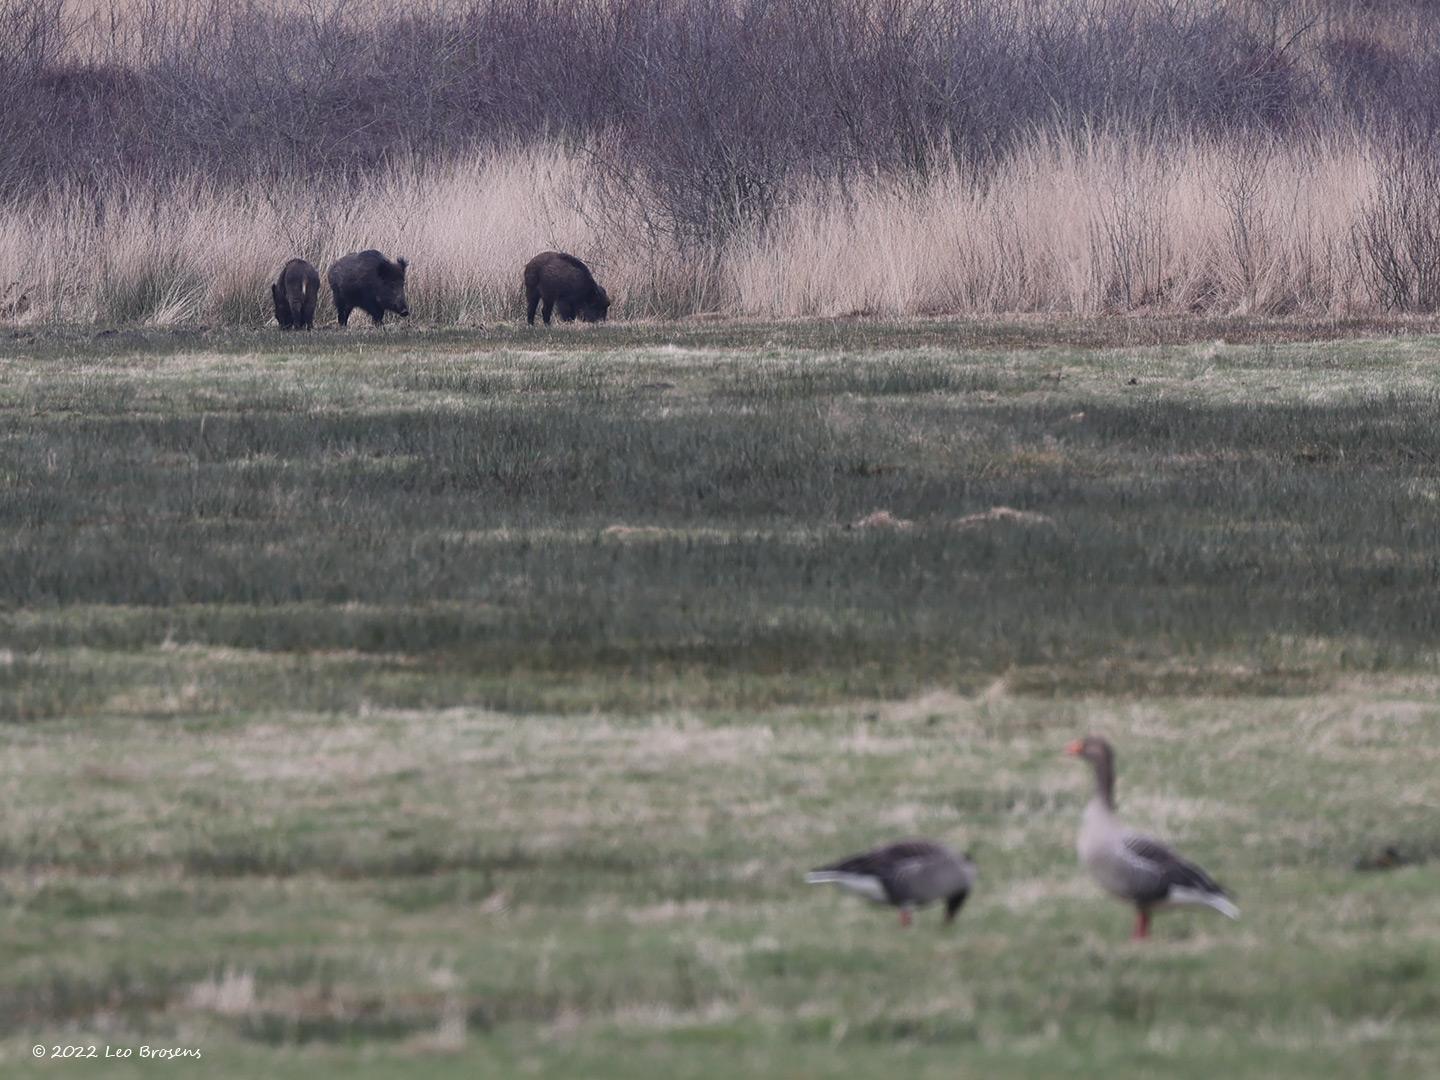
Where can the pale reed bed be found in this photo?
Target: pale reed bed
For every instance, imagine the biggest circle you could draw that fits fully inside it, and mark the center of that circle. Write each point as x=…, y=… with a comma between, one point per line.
x=1107, y=225
x=1088, y=226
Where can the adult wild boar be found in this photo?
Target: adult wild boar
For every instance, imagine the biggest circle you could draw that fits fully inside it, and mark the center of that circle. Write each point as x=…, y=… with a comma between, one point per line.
x=295, y=294
x=563, y=281
x=369, y=281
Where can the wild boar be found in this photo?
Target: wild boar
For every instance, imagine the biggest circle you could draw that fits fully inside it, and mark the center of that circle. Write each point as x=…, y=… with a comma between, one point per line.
x=369, y=281
x=295, y=293
x=563, y=281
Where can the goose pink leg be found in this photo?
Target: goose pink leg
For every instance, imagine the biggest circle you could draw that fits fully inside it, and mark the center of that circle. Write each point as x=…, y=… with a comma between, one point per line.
x=1142, y=926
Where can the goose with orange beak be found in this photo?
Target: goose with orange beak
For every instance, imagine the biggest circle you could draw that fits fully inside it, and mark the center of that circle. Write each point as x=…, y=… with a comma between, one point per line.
x=1129, y=865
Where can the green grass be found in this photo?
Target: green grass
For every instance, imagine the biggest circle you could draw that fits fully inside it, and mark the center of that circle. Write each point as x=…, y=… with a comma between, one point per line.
x=460, y=704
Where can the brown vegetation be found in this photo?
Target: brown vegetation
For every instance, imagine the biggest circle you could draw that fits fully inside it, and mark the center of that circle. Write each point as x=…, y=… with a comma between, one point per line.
x=795, y=157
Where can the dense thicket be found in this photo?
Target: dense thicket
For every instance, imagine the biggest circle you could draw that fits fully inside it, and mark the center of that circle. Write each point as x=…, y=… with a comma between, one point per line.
x=718, y=104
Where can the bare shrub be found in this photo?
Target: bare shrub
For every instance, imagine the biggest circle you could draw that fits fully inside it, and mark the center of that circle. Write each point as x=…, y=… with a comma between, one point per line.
x=722, y=106
x=1248, y=228
x=1128, y=246
x=1399, y=233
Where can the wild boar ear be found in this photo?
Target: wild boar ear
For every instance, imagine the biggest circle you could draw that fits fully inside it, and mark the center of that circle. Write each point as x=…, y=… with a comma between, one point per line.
x=402, y=263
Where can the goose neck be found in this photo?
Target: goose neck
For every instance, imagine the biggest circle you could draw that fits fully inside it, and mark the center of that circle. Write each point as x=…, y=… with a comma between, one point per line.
x=1105, y=784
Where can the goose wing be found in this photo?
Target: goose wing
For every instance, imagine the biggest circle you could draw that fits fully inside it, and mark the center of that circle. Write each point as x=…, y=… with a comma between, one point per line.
x=1155, y=871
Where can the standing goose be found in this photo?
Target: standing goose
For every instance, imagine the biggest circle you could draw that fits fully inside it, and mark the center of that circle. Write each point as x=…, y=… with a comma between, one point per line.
x=1131, y=866
x=909, y=874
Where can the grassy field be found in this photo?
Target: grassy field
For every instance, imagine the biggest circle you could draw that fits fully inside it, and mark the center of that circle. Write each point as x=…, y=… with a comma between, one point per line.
x=471, y=704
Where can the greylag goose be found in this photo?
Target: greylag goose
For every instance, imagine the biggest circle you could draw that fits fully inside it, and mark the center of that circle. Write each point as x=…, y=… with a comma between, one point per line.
x=909, y=874
x=1131, y=866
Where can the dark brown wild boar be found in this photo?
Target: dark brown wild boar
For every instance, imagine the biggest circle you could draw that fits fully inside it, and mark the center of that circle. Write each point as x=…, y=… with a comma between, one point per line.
x=295, y=293
x=369, y=281
x=563, y=281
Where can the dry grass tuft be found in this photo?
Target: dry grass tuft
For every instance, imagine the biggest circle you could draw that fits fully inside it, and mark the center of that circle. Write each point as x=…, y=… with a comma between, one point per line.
x=636, y=532
x=1003, y=515
x=227, y=993
x=883, y=519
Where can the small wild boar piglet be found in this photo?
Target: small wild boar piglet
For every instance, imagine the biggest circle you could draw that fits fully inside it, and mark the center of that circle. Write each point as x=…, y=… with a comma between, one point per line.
x=369, y=281
x=564, y=282
x=295, y=293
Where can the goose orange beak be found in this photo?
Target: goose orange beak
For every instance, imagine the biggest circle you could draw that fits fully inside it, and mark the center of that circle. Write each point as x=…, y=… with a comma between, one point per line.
x=1076, y=748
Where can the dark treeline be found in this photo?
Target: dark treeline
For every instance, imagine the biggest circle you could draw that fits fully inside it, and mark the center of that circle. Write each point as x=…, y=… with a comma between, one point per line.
x=716, y=104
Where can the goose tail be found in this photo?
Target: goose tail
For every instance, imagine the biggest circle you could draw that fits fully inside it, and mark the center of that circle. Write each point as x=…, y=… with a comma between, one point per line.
x=1219, y=901
x=864, y=885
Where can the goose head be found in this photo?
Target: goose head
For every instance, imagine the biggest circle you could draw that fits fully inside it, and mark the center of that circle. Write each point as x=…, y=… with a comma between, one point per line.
x=1101, y=756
